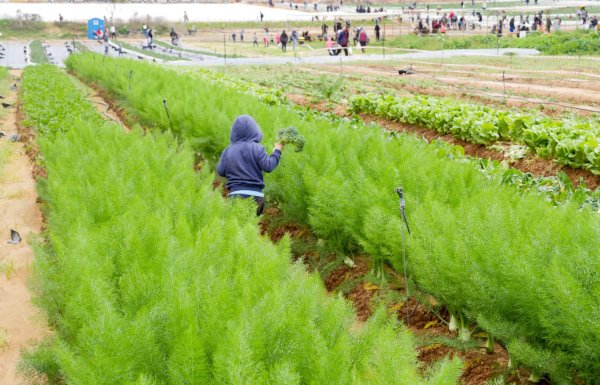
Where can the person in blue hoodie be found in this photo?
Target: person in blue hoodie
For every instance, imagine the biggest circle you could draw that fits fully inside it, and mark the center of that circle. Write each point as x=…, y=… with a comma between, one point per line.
x=243, y=162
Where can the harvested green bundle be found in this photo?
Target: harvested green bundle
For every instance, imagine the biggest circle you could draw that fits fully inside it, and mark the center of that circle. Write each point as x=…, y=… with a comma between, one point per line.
x=291, y=135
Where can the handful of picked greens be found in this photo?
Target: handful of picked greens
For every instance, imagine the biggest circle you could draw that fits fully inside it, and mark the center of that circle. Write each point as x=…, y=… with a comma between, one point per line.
x=291, y=135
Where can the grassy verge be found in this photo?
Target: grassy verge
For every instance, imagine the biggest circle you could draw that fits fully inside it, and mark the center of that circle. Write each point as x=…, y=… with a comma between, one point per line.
x=20, y=29
x=247, y=49
x=582, y=42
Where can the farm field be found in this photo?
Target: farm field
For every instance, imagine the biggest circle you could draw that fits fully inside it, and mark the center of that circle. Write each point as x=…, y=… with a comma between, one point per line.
x=145, y=273
x=319, y=214
x=234, y=303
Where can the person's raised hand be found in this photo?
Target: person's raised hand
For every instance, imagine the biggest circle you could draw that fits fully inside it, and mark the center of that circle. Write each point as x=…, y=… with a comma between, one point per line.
x=279, y=146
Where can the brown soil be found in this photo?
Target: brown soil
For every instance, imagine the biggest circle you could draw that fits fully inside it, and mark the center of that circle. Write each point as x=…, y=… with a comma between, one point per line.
x=424, y=317
x=20, y=323
x=490, y=87
x=295, y=230
x=420, y=319
x=500, y=100
x=557, y=92
x=361, y=297
x=345, y=273
x=29, y=144
x=473, y=71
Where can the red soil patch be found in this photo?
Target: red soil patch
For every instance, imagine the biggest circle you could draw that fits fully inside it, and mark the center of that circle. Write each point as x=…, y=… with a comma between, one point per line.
x=361, y=297
x=420, y=319
x=478, y=366
x=344, y=273
x=275, y=233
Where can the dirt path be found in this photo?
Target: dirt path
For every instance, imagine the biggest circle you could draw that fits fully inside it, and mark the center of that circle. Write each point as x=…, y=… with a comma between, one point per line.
x=559, y=93
x=20, y=322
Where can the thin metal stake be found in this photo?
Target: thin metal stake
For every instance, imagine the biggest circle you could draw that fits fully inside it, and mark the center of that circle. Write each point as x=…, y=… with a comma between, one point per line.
x=167, y=110
x=402, y=204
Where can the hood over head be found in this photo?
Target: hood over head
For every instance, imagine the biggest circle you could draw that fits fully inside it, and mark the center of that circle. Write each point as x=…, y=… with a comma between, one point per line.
x=245, y=129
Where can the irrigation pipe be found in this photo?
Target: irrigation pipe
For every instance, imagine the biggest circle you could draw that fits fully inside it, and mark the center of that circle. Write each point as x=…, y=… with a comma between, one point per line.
x=105, y=112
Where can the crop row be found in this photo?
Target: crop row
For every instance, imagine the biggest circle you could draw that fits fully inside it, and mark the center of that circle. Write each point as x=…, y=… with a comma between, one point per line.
x=558, y=189
x=522, y=269
x=571, y=142
x=150, y=277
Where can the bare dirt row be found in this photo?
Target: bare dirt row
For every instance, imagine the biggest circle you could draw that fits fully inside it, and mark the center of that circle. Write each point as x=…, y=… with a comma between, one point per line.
x=21, y=325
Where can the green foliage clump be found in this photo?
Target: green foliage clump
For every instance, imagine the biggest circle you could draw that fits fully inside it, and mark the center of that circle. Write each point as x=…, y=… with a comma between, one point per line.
x=150, y=277
x=328, y=87
x=580, y=42
x=524, y=270
x=291, y=135
x=38, y=55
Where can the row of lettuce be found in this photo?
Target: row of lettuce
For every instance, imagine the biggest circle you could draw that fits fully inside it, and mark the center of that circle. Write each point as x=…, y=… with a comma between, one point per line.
x=149, y=277
x=571, y=142
x=520, y=268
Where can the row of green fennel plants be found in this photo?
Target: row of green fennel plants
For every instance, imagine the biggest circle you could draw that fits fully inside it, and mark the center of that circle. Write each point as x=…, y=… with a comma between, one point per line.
x=150, y=277
x=524, y=270
x=575, y=143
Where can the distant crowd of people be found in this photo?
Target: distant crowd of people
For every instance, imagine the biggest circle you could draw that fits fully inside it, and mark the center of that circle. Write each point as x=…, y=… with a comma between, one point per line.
x=340, y=40
x=540, y=22
x=442, y=23
x=362, y=9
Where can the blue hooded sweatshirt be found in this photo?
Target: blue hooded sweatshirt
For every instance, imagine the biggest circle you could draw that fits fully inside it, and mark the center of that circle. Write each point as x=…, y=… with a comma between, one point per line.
x=245, y=159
